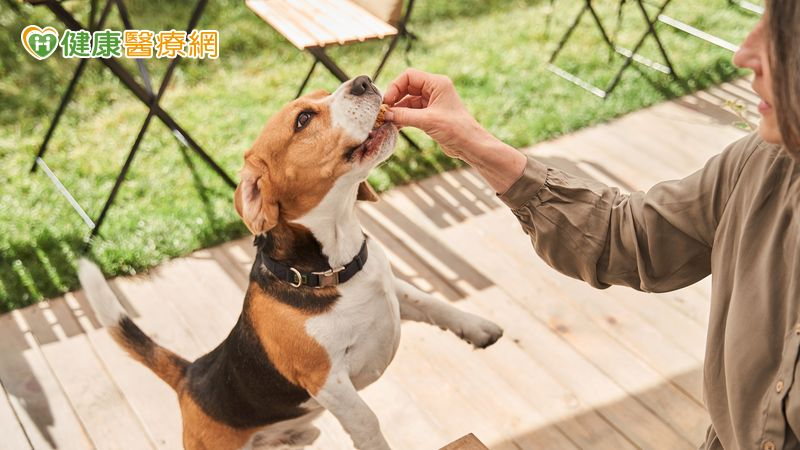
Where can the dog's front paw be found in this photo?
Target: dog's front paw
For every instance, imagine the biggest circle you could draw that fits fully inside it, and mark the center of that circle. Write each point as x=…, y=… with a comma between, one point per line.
x=478, y=331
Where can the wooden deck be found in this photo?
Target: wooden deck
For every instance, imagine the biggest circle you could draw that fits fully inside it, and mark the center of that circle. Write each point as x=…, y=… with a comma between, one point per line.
x=577, y=367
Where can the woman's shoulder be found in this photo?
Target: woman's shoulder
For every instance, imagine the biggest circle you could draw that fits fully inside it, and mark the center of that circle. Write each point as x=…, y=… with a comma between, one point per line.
x=752, y=154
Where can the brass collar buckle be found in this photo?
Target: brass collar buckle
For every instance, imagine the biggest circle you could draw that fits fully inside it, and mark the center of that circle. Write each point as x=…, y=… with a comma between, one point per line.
x=298, y=277
x=329, y=277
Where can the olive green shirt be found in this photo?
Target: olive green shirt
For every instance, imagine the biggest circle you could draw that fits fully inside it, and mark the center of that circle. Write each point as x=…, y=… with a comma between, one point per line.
x=737, y=218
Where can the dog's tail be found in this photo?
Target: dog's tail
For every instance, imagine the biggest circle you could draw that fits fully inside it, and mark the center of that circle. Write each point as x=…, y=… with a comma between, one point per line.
x=167, y=365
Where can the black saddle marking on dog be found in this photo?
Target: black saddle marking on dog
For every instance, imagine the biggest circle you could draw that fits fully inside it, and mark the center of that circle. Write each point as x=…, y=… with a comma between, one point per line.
x=236, y=384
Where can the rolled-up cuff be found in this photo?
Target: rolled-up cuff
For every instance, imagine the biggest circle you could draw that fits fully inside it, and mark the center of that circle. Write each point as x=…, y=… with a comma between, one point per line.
x=527, y=186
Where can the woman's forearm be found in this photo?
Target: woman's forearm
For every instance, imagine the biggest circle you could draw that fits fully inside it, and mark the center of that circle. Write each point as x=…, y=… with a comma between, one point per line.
x=498, y=163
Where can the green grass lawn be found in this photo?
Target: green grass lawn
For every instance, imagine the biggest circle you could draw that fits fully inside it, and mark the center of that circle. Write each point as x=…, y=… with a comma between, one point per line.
x=495, y=51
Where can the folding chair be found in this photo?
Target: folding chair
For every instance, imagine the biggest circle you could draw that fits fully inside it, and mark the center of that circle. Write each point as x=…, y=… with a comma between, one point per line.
x=311, y=25
x=145, y=94
x=630, y=55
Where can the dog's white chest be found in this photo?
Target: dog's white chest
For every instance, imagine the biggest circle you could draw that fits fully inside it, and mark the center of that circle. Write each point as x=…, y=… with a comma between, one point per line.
x=362, y=330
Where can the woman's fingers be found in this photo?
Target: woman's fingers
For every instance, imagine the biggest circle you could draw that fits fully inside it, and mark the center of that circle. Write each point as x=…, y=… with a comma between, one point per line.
x=412, y=101
x=396, y=90
x=407, y=117
x=410, y=82
x=404, y=118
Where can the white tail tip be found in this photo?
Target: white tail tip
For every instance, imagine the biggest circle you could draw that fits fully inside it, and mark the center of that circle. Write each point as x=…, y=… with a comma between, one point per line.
x=105, y=304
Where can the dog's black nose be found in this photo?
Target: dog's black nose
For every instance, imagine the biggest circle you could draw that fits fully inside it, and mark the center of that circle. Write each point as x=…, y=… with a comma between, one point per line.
x=360, y=85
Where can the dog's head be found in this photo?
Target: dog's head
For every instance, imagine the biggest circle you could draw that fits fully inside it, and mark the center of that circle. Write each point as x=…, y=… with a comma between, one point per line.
x=313, y=143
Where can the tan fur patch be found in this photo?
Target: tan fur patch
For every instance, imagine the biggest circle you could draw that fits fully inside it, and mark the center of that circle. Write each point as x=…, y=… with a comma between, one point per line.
x=201, y=432
x=288, y=172
x=281, y=330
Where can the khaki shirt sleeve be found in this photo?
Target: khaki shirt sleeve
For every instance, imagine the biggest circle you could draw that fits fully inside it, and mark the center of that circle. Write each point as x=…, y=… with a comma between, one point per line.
x=655, y=241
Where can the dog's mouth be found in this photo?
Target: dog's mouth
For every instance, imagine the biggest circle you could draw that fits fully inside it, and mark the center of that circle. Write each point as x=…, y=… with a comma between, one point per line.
x=372, y=145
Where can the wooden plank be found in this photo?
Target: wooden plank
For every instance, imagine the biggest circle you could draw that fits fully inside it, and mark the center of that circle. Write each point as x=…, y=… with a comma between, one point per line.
x=613, y=153
x=228, y=262
x=208, y=318
x=99, y=404
x=377, y=27
x=152, y=400
x=688, y=337
x=555, y=400
x=460, y=201
x=10, y=429
x=207, y=273
x=624, y=354
x=405, y=423
x=594, y=310
x=331, y=25
x=38, y=401
x=296, y=35
x=623, y=379
x=459, y=400
x=440, y=259
x=468, y=442
x=406, y=264
x=556, y=403
x=590, y=385
x=675, y=146
x=342, y=25
x=691, y=133
x=307, y=24
x=498, y=404
x=292, y=13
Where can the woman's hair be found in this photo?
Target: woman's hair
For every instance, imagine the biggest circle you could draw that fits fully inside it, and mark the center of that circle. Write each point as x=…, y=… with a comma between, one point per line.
x=784, y=32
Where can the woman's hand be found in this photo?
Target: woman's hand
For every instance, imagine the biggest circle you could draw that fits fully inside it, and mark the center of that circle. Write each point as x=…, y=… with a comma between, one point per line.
x=430, y=102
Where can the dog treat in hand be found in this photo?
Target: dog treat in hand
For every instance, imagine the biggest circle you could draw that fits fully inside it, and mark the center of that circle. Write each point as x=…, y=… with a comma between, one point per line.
x=380, y=120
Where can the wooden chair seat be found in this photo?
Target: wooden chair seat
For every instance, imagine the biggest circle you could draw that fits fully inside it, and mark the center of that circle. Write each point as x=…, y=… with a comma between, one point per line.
x=317, y=23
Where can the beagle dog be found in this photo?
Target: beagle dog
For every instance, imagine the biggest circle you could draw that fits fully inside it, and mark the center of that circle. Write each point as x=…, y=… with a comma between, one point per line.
x=321, y=317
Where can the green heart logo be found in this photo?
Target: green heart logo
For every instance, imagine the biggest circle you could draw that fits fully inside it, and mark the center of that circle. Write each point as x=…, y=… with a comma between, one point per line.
x=40, y=43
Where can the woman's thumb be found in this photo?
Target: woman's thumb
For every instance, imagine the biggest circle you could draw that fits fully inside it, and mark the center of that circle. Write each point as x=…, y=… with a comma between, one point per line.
x=406, y=117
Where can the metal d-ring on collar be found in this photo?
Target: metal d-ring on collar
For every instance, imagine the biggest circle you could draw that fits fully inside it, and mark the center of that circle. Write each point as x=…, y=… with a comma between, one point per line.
x=326, y=278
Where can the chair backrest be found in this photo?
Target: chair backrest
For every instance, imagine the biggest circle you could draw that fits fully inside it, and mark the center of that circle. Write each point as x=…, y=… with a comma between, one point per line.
x=390, y=11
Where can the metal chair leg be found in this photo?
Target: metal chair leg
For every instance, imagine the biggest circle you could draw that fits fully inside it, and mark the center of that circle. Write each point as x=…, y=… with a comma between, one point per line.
x=389, y=51
x=568, y=33
x=321, y=56
x=71, y=87
x=59, y=111
x=308, y=77
x=120, y=177
x=650, y=31
x=145, y=94
x=126, y=21
x=630, y=55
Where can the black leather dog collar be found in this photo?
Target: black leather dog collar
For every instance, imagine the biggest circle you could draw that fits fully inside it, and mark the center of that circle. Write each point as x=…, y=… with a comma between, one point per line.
x=330, y=277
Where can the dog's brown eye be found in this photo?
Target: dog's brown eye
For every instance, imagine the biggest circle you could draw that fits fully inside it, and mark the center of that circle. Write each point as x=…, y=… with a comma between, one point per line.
x=302, y=120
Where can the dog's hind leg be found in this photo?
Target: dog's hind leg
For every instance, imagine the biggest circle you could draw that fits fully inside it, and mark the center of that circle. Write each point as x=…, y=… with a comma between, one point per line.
x=419, y=306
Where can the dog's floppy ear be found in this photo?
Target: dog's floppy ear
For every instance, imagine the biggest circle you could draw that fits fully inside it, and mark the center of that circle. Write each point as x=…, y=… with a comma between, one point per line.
x=366, y=193
x=255, y=202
